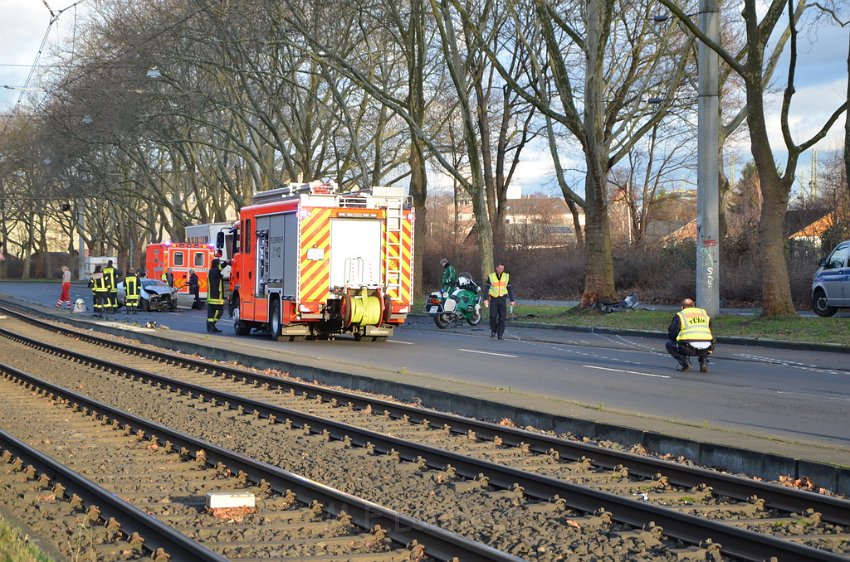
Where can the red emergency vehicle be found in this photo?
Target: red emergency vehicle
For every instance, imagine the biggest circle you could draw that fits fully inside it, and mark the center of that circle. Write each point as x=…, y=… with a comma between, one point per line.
x=179, y=258
x=311, y=262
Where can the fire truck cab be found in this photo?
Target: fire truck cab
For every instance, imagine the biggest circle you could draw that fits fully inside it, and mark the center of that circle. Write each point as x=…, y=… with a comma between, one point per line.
x=311, y=262
x=179, y=258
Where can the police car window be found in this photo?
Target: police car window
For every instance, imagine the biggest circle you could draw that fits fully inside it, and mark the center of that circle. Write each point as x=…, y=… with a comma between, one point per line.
x=838, y=257
x=198, y=259
x=179, y=259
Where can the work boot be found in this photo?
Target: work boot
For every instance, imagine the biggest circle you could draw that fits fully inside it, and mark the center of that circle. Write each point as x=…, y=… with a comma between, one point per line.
x=703, y=365
x=684, y=366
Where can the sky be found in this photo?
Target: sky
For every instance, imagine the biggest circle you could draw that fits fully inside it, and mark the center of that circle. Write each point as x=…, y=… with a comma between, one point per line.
x=821, y=79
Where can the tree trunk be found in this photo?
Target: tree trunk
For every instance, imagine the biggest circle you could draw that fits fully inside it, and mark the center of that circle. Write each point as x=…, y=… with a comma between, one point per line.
x=775, y=284
x=599, y=264
x=847, y=128
x=776, y=287
x=574, y=211
x=418, y=191
x=598, y=260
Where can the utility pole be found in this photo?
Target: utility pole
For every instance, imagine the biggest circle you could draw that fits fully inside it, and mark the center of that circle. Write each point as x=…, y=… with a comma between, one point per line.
x=708, y=180
x=81, y=243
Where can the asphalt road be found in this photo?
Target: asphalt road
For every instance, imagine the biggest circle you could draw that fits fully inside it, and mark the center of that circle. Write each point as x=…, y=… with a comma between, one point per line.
x=797, y=395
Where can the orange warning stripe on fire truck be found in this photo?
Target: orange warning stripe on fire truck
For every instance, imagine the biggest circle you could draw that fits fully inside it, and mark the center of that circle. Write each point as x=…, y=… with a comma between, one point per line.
x=314, y=277
x=405, y=249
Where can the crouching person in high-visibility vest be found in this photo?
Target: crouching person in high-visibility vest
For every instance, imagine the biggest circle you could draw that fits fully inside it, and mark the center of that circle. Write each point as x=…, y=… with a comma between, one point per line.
x=215, y=294
x=690, y=336
x=132, y=290
x=100, y=292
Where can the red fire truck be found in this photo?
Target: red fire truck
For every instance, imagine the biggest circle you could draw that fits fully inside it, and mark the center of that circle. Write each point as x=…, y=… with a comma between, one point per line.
x=309, y=261
x=179, y=258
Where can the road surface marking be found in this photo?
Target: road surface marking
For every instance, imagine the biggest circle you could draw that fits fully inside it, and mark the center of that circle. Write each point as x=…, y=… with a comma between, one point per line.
x=399, y=341
x=629, y=372
x=487, y=353
x=821, y=396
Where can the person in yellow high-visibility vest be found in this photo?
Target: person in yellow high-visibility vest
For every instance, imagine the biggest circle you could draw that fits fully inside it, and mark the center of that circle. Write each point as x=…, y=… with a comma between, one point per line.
x=498, y=291
x=690, y=336
x=100, y=292
x=215, y=294
x=132, y=291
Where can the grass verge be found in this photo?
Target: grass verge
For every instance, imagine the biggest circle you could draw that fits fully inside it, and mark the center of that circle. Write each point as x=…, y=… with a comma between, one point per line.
x=794, y=328
x=15, y=549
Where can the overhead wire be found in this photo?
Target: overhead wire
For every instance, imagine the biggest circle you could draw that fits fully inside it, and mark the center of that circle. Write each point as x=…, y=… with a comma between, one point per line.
x=54, y=17
x=106, y=64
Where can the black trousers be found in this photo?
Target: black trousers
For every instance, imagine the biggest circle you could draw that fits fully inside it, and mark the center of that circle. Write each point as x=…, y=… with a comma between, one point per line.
x=498, y=313
x=681, y=351
x=100, y=301
x=213, y=314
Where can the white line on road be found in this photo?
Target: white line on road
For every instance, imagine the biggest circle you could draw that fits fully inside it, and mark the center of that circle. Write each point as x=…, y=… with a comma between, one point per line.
x=628, y=372
x=821, y=396
x=398, y=341
x=487, y=353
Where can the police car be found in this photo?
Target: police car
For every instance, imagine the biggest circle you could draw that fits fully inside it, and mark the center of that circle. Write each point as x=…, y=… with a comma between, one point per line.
x=831, y=283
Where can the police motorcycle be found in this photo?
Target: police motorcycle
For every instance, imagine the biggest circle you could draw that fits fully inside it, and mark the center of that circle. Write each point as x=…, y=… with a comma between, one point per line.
x=463, y=302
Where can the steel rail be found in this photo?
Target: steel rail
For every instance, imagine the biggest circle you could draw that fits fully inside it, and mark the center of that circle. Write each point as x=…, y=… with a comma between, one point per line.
x=156, y=534
x=438, y=542
x=783, y=498
x=734, y=541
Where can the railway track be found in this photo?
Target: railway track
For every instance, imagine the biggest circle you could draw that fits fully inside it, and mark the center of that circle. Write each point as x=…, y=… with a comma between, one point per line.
x=532, y=467
x=157, y=479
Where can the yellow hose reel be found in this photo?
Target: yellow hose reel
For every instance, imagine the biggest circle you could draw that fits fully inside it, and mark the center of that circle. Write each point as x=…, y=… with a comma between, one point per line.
x=363, y=310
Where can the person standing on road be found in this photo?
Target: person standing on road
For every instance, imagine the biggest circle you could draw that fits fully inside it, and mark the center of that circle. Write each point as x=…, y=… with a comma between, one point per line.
x=132, y=290
x=168, y=277
x=194, y=289
x=99, y=290
x=690, y=336
x=498, y=291
x=215, y=294
x=111, y=276
x=449, y=277
x=65, y=293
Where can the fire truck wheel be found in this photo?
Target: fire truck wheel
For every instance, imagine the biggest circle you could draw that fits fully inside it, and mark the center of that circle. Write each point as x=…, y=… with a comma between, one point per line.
x=275, y=323
x=241, y=327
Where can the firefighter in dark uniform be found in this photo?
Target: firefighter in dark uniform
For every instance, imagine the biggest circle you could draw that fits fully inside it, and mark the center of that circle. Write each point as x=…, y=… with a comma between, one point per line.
x=132, y=290
x=690, y=336
x=215, y=294
x=99, y=290
x=111, y=275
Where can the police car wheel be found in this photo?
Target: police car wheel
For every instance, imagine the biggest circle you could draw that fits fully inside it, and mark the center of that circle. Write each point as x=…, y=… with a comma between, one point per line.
x=819, y=304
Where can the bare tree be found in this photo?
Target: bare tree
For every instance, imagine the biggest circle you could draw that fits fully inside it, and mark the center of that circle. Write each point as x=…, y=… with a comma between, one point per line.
x=775, y=185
